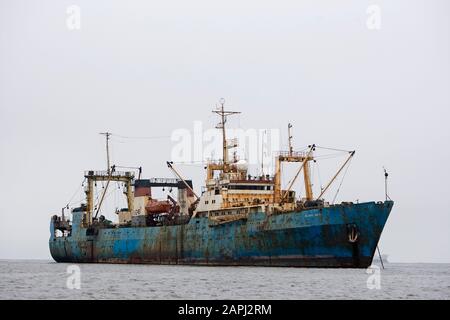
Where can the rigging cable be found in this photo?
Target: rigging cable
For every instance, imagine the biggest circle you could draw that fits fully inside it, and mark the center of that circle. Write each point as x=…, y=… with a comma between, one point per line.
x=140, y=137
x=75, y=193
x=333, y=149
x=329, y=156
x=318, y=174
x=339, y=188
x=113, y=190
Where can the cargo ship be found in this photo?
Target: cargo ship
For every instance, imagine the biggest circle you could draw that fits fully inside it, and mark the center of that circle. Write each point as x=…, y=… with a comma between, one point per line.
x=237, y=220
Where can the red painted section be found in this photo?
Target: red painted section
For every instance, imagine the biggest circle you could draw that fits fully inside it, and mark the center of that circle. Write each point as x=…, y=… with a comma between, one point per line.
x=155, y=206
x=143, y=191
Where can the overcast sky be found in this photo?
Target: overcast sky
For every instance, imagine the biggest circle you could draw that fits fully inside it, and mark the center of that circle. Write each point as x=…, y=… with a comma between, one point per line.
x=147, y=68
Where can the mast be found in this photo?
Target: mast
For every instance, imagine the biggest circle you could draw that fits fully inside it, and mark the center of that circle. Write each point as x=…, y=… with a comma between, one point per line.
x=224, y=139
x=290, y=139
x=291, y=156
x=305, y=165
x=385, y=184
x=107, y=135
x=307, y=179
x=113, y=175
x=223, y=114
x=262, y=152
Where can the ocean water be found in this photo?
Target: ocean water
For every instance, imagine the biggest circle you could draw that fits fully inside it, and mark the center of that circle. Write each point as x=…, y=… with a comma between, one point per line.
x=39, y=279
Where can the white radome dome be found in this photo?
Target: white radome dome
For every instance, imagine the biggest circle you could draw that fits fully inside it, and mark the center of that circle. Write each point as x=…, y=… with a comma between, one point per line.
x=242, y=165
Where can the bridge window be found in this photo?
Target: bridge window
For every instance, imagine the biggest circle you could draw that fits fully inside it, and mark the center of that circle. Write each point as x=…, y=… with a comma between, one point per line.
x=249, y=187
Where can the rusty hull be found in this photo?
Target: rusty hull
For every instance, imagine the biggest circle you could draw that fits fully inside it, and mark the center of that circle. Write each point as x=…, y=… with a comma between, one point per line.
x=310, y=238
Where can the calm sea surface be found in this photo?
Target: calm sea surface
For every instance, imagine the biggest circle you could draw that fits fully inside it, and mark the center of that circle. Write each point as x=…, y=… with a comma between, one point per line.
x=27, y=279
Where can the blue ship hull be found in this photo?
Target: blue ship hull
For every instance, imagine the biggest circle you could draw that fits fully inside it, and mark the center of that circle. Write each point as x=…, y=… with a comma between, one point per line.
x=322, y=237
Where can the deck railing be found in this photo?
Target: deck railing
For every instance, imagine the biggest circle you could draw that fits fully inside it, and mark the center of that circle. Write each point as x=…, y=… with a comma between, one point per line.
x=292, y=154
x=105, y=173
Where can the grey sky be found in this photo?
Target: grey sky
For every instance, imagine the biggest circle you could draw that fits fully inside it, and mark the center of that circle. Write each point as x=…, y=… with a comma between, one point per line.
x=146, y=68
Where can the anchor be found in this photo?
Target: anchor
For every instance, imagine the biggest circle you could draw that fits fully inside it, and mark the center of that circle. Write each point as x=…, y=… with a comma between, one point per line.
x=353, y=234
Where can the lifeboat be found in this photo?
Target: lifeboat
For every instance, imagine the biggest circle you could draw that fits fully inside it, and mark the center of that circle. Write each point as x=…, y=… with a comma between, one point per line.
x=155, y=206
